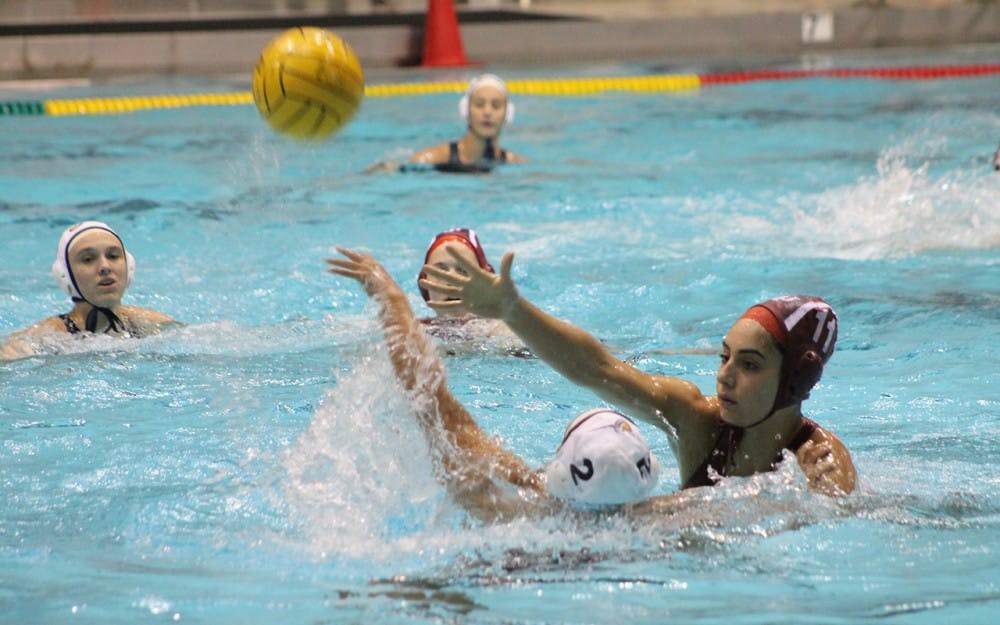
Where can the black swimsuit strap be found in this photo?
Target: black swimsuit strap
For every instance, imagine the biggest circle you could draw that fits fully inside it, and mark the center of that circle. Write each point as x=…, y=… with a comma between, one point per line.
x=115, y=323
x=489, y=154
x=484, y=165
x=71, y=326
x=494, y=155
x=453, y=158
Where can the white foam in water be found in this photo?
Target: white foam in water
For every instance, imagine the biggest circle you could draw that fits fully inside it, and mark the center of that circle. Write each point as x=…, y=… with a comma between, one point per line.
x=362, y=481
x=361, y=457
x=903, y=210
x=361, y=478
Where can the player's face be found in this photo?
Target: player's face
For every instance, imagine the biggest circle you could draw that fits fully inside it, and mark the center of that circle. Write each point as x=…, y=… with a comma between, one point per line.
x=749, y=373
x=487, y=107
x=442, y=259
x=97, y=261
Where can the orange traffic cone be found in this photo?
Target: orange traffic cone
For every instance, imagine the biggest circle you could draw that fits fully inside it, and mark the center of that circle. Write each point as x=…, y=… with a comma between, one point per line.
x=442, y=41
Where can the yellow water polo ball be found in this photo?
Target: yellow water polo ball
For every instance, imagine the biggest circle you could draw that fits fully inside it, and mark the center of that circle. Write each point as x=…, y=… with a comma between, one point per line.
x=308, y=83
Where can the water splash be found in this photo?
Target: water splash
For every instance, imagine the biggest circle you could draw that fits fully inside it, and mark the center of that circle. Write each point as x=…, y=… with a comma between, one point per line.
x=902, y=211
x=360, y=474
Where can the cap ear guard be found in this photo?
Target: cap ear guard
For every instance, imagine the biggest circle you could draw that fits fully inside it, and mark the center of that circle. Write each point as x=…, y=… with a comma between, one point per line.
x=800, y=379
x=60, y=271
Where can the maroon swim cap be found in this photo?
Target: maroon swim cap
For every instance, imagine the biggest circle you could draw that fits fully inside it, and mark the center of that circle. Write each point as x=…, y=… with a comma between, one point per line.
x=466, y=237
x=805, y=329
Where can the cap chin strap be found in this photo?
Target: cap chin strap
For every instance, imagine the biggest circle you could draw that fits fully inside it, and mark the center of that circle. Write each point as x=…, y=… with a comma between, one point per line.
x=766, y=417
x=115, y=323
x=774, y=408
x=806, y=375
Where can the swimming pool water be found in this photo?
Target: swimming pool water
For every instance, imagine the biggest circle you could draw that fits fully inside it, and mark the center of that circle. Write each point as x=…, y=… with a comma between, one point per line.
x=258, y=465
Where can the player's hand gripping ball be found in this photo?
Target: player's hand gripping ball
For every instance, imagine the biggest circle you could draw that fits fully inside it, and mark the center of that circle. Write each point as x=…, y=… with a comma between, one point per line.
x=308, y=83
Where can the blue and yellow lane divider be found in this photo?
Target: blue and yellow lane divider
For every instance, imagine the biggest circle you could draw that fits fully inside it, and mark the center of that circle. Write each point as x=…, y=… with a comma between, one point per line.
x=541, y=86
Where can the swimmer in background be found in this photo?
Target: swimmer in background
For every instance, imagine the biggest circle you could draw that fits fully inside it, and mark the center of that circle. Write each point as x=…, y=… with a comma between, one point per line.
x=486, y=109
x=93, y=267
x=603, y=461
x=457, y=326
x=771, y=358
x=996, y=160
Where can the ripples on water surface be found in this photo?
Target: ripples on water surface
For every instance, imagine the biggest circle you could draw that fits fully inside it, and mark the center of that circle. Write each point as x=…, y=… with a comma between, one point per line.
x=258, y=465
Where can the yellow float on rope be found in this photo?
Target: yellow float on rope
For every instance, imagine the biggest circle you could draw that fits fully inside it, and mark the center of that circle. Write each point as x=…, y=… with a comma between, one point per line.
x=127, y=104
x=540, y=86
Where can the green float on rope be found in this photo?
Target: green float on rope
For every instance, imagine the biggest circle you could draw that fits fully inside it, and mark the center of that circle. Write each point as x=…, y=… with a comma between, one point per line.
x=22, y=108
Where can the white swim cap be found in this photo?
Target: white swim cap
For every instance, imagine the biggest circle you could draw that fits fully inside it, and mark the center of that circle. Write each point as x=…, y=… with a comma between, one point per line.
x=486, y=80
x=60, y=268
x=603, y=459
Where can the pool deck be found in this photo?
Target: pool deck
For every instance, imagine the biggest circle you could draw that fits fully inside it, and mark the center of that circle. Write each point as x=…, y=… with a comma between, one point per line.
x=72, y=44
